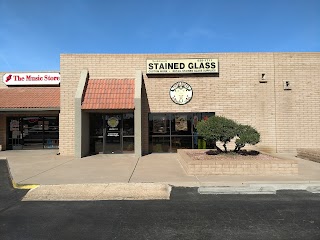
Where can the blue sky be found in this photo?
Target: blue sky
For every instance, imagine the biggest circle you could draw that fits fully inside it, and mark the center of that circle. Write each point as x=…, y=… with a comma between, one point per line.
x=33, y=33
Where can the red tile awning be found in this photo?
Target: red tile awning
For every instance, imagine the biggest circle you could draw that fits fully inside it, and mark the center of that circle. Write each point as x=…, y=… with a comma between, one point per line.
x=30, y=97
x=109, y=94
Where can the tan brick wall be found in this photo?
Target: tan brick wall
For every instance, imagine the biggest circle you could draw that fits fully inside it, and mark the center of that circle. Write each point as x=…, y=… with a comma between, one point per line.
x=235, y=93
x=243, y=168
x=99, y=66
x=297, y=110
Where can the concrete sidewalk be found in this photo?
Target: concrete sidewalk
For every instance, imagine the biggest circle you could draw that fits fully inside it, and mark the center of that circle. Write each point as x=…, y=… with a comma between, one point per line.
x=44, y=167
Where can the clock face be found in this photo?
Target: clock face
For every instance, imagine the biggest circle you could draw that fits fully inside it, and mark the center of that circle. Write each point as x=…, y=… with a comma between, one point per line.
x=181, y=93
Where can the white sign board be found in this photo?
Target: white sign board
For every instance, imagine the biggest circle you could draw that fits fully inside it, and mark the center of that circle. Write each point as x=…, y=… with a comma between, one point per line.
x=182, y=66
x=14, y=79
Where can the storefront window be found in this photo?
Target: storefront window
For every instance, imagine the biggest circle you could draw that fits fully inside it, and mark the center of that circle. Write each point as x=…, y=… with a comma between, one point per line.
x=199, y=142
x=96, y=132
x=15, y=140
x=181, y=143
x=128, y=124
x=33, y=132
x=171, y=131
x=128, y=144
x=51, y=132
x=160, y=124
x=96, y=145
x=96, y=124
x=181, y=124
x=128, y=133
x=160, y=144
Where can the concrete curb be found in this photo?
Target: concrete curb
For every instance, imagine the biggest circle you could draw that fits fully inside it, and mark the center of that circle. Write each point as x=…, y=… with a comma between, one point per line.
x=314, y=189
x=263, y=183
x=287, y=186
x=98, y=192
x=24, y=186
x=259, y=188
x=236, y=190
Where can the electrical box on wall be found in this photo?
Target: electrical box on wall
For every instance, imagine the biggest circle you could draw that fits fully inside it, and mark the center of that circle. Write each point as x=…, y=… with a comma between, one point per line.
x=287, y=85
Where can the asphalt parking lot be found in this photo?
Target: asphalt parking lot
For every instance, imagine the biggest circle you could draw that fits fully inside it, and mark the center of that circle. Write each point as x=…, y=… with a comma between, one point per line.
x=188, y=215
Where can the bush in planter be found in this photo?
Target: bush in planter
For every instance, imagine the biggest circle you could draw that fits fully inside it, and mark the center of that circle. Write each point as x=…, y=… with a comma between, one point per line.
x=217, y=129
x=224, y=130
x=246, y=135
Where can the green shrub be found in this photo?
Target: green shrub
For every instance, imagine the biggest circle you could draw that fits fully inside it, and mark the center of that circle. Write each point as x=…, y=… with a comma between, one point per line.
x=222, y=129
x=217, y=129
x=247, y=135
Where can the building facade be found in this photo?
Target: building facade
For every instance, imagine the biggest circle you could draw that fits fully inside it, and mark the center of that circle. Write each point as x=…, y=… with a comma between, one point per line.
x=143, y=103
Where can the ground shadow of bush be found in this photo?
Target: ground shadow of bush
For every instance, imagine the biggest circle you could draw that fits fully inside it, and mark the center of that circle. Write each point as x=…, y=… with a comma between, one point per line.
x=241, y=152
x=248, y=153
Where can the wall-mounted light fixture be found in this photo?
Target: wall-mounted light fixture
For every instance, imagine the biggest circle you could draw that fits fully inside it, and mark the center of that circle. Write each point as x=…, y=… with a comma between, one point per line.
x=287, y=85
x=263, y=78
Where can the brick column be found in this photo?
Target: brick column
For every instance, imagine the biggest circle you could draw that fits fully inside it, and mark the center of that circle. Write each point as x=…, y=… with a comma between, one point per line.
x=79, y=150
x=137, y=115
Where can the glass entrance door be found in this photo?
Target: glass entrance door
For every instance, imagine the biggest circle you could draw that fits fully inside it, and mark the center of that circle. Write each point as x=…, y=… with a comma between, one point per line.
x=113, y=136
x=111, y=132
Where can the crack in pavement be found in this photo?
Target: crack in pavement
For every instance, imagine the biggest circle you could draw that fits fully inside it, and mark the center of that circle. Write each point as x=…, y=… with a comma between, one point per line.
x=44, y=171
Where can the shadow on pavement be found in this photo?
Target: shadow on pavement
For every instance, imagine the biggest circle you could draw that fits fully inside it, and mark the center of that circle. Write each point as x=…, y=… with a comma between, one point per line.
x=8, y=194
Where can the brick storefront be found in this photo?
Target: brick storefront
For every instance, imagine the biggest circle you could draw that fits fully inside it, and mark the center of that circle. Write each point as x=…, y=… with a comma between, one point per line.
x=249, y=88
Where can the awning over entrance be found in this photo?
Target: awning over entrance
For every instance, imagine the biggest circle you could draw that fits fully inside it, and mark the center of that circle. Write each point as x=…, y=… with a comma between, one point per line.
x=109, y=94
x=29, y=97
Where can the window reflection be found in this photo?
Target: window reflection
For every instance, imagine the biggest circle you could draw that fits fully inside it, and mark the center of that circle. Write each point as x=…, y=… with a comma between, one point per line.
x=128, y=144
x=128, y=124
x=33, y=132
x=160, y=124
x=160, y=144
x=51, y=132
x=171, y=131
x=96, y=124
